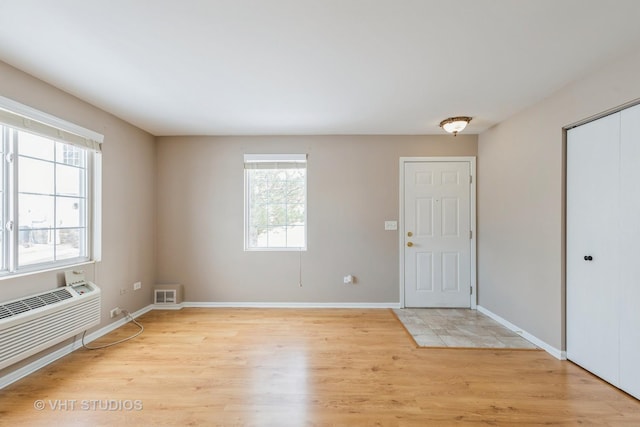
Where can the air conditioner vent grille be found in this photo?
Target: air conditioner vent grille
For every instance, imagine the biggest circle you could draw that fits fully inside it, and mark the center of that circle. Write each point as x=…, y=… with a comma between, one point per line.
x=16, y=307
x=63, y=294
x=35, y=302
x=4, y=312
x=49, y=298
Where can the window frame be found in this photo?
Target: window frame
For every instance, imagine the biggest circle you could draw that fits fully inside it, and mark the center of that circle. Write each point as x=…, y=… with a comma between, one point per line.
x=272, y=158
x=14, y=118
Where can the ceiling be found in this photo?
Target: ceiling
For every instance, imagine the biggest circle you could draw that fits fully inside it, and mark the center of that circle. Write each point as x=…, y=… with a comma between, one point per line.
x=276, y=67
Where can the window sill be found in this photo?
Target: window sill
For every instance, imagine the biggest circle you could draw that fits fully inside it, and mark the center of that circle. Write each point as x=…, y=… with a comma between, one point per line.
x=8, y=276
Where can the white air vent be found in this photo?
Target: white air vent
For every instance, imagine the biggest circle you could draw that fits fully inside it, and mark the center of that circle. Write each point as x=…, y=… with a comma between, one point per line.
x=168, y=296
x=165, y=296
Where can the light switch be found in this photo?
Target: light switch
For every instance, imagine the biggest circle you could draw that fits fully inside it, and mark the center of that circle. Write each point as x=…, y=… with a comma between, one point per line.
x=391, y=225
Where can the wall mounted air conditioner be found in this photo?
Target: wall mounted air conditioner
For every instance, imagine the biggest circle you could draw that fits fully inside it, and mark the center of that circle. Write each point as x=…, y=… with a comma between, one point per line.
x=31, y=324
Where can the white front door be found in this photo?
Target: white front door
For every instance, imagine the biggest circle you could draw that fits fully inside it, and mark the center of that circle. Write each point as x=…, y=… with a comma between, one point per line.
x=437, y=234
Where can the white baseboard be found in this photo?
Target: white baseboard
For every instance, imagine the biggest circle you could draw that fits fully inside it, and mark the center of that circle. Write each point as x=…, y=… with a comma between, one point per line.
x=167, y=306
x=558, y=354
x=292, y=304
x=61, y=352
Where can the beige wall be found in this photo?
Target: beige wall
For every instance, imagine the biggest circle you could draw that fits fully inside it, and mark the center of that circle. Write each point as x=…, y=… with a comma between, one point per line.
x=521, y=200
x=352, y=189
x=128, y=253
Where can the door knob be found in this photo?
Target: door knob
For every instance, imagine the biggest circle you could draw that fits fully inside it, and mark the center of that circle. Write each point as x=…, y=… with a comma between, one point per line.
x=588, y=258
x=409, y=244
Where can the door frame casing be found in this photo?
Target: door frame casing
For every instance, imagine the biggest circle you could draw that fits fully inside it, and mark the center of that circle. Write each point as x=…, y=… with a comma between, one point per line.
x=472, y=205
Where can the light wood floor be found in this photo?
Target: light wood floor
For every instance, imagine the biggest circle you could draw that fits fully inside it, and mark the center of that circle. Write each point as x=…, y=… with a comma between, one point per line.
x=273, y=367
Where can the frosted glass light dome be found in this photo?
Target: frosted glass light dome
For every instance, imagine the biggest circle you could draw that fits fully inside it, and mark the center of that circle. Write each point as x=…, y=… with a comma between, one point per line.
x=455, y=124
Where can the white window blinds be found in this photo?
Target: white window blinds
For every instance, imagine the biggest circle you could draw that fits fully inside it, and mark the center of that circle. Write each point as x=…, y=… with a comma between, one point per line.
x=274, y=161
x=29, y=119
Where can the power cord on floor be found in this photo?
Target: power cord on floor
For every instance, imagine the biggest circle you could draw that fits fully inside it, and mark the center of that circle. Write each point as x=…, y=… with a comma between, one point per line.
x=126, y=313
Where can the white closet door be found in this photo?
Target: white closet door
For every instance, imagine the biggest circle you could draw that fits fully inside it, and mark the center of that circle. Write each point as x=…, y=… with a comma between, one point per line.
x=629, y=251
x=592, y=231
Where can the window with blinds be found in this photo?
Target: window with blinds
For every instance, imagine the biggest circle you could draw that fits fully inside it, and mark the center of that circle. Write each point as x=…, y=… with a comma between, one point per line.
x=49, y=191
x=275, y=201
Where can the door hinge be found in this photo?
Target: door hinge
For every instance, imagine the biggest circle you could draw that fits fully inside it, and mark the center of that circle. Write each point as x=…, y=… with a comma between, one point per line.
x=470, y=290
x=470, y=179
x=470, y=234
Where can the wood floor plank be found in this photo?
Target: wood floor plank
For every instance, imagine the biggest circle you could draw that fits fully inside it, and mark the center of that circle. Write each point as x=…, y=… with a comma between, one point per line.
x=299, y=367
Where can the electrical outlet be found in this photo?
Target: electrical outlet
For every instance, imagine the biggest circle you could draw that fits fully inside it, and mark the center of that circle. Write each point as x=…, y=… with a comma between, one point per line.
x=115, y=312
x=137, y=286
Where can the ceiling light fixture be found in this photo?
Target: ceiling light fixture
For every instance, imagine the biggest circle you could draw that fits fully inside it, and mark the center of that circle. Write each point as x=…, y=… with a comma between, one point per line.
x=455, y=124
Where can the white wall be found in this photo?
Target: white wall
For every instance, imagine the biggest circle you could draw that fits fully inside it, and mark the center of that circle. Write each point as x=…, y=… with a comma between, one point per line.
x=352, y=189
x=128, y=250
x=521, y=200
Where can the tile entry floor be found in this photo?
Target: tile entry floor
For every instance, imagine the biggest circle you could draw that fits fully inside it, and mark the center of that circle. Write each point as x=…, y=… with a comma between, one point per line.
x=454, y=327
